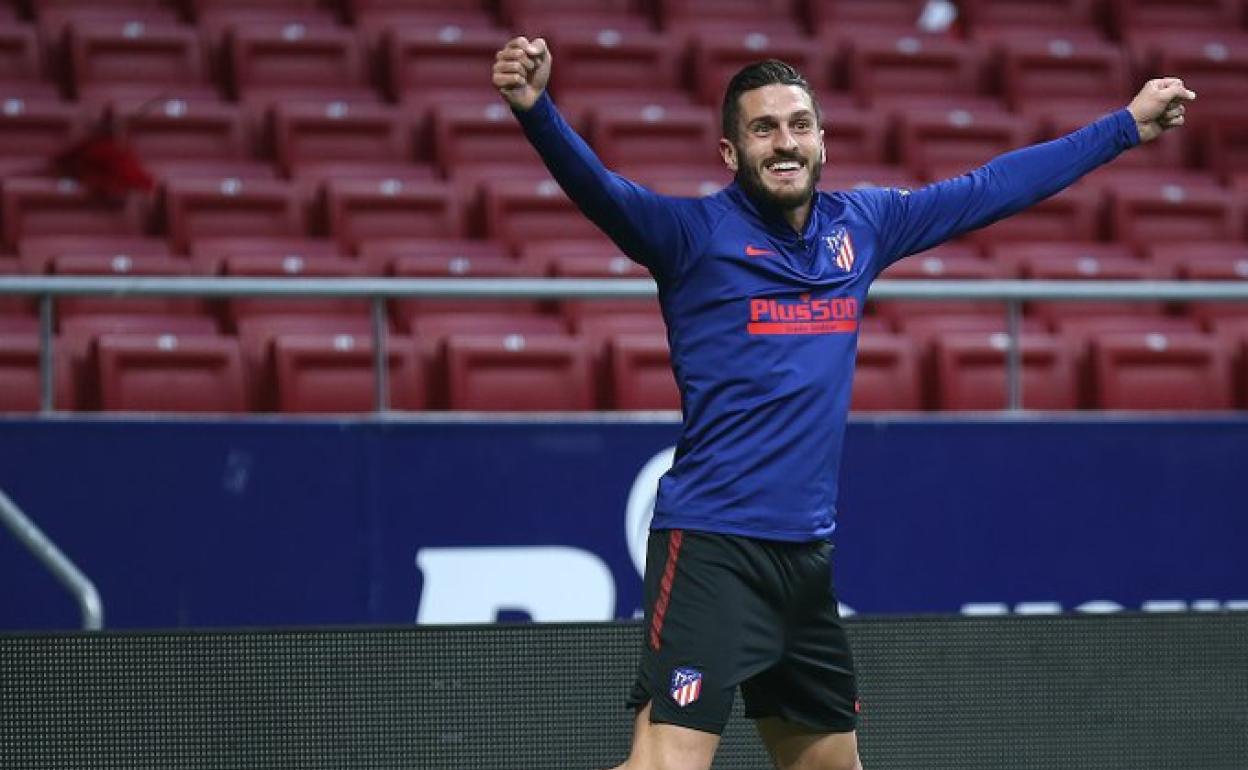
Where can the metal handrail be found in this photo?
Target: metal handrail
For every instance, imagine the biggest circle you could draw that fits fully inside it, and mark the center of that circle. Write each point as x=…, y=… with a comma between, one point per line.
x=56, y=561
x=378, y=290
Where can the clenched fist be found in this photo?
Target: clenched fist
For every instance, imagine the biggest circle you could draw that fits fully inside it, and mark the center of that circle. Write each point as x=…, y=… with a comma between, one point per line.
x=1159, y=106
x=521, y=69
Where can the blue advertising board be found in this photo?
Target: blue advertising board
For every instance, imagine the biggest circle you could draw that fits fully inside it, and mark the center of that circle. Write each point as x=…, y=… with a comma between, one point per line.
x=185, y=523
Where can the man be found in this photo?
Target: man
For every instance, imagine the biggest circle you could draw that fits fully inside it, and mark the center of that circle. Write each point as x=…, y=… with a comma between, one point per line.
x=762, y=287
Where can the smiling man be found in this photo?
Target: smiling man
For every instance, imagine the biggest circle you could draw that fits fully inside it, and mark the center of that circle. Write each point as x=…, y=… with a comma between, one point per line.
x=761, y=286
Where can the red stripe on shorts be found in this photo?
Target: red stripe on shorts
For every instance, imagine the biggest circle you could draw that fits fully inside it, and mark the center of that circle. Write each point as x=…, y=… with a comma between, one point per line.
x=665, y=588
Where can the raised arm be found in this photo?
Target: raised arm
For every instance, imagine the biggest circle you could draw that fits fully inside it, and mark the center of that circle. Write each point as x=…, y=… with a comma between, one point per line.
x=661, y=233
x=911, y=222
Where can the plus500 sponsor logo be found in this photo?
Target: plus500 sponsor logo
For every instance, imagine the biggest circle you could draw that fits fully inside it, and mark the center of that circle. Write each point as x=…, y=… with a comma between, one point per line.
x=564, y=584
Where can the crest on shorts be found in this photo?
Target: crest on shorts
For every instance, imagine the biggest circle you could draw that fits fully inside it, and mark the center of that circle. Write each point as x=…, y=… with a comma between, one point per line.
x=686, y=686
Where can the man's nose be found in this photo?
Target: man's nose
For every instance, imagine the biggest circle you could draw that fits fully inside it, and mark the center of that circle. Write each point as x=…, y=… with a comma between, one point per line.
x=784, y=139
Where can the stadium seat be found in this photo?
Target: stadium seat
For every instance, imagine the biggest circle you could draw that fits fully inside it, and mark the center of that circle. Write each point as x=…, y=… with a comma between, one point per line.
x=485, y=135
x=456, y=255
x=256, y=334
x=32, y=131
x=170, y=373
x=1035, y=70
x=717, y=55
x=1219, y=67
x=454, y=262
x=1233, y=334
x=54, y=16
x=1013, y=256
x=886, y=374
x=199, y=208
x=215, y=18
x=682, y=17
x=971, y=372
x=1212, y=262
x=1144, y=215
x=1010, y=19
x=438, y=327
x=952, y=261
x=1127, y=16
x=208, y=255
x=520, y=212
x=78, y=335
x=1071, y=215
x=640, y=373
x=1224, y=142
x=853, y=135
x=21, y=63
x=428, y=65
x=610, y=61
x=1173, y=259
x=135, y=59
x=292, y=266
x=290, y=62
x=1172, y=372
x=594, y=258
x=376, y=17
x=518, y=373
x=360, y=210
x=831, y=19
x=547, y=18
x=913, y=67
x=177, y=138
x=20, y=383
x=632, y=139
x=37, y=252
x=937, y=143
x=1067, y=267
x=34, y=207
x=335, y=373
x=88, y=263
x=1060, y=121
x=341, y=140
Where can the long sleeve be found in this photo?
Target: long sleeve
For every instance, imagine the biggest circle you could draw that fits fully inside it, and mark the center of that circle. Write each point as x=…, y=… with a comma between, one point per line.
x=912, y=221
x=660, y=232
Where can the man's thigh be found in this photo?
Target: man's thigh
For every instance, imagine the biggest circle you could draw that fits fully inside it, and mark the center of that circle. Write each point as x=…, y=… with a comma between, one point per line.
x=793, y=747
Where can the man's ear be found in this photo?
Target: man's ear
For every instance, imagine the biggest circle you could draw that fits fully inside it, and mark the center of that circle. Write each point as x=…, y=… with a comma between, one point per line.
x=728, y=152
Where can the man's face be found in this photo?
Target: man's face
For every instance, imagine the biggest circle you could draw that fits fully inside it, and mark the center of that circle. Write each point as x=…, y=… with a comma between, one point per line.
x=777, y=155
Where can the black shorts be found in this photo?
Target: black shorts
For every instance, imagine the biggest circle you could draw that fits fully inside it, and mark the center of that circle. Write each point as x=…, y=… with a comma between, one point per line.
x=723, y=611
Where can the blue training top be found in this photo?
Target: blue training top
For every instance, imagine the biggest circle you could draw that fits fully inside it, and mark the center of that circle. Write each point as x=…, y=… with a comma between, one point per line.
x=763, y=322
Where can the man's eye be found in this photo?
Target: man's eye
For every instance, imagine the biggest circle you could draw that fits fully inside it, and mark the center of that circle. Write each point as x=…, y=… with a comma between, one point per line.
x=802, y=125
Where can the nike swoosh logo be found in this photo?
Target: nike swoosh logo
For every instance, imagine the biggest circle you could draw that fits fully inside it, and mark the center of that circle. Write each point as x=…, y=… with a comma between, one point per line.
x=754, y=251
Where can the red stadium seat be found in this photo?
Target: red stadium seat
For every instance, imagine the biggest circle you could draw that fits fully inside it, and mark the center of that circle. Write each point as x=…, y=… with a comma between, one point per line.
x=290, y=62
x=62, y=207
x=632, y=139
x=486, y=135
x=886, y=374
x=33, y=131
x=971, y=372
x=182, y=139
x=1211, y=262
x=215, y=17
x=1225, y=144
x=1012, y=256
x=208, y=255
x=375, y=17
x=924, y=330
x=1170, y=213
x=718, y=55
x=853, y=135
x=78, y=335
x=1034, y=70
x=292, y=266
x=135, y=59
x=489, y=263
x=543, y=16
x=945, y=262
x=914, y=67
x=428, y=65
x=519, y=212
x=936, y=143
x=38, y=252
x=1127, y=16
x=997, y=19
x=437, y=328
x=337, y=139
x=360, y=210
x=20, y=383
x=518, y=373
x=1065, y=267
x=170, y=373
x=594, y=259
x=21, y=62
x=381, y=256
x=1216, y=69
x=743, y=16
x=55, y=15
x=1173, y=259
x=1173, y=372
x=1071, y=215
x=1152, y=156
x=641, y=373
x=97, y=263
x=610, y=60
x=335, y=373
x=1233, y=333
x=256, y=335
x=843, y=18
x=198, y=208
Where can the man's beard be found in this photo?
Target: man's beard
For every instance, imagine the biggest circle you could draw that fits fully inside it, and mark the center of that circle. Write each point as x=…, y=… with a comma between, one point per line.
x=750, y=179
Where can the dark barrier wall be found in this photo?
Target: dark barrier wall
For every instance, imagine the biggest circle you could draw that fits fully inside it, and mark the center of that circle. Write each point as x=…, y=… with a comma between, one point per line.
x=271, y=522
x=1136, y=692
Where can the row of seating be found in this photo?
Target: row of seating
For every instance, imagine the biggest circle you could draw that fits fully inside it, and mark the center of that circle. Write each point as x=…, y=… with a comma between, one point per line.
x=421, y=65
x=295, y=365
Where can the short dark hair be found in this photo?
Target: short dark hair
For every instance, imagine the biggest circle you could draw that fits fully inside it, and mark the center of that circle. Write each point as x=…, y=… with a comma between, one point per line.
x=757, y=75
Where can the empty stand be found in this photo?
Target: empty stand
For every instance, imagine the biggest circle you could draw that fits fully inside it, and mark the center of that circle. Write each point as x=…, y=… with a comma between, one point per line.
x=480, y=135
x=34, y=207
x=291, y=62
x=1062, y=120
x=743, y=16
x=256, y=334
x=1225, y=145
x=21, y=63
x=482, y=259
x=546, y=16
x=886, y=374
x=338, y=139
x=88, y=263
x=437, y=328
x=945, y=262
x=1014, y=257
x=1153, y=371
x=1143, y=215
x=38, y=252
x=375, y=17
x=1066, y=266
x=335, y=373
x=201, y=208
x=970, y=372
x=1034, y=71
x=177, y=138
x=937, y=143
x=843, y=18
x=381, y=256
x=208, y=255
x=135, y=59
x=611, y=61
x=1128, y=16
x=32, y=131
x=640, y=373
x=853, y=135
x=630, y=139
x=170, y=373
x=519, y=212
x=518, y=373
x=428, y=64
x=1219, y=66
x=360, y=210
x=275, y=265
x=20, y=383
x=914, y=67
x=1009, y=19
x=592, y=258
x=718, y=55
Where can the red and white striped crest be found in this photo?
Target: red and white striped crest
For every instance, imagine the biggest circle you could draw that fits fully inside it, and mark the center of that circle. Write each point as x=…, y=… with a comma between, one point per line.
x=686, y=686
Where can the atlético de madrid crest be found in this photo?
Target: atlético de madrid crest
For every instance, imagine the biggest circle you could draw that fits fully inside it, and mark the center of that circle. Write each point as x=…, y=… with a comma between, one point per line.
x=841, y=247
x=686, y=686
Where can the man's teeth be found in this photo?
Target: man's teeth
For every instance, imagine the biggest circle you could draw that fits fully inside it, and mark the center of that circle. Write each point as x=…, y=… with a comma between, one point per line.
x=786, y=165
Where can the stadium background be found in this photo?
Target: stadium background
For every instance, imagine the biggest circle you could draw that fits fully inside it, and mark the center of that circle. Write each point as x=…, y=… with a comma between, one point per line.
x=214, y=463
